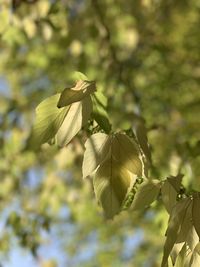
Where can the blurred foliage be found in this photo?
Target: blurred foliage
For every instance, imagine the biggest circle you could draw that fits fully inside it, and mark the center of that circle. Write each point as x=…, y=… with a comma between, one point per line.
x=145, y=56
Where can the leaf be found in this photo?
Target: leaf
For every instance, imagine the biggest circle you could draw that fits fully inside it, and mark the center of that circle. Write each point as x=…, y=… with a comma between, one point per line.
x=81, y=90
x=126, y=151
x=195, y=259
x=80, y=76
x=99, y=111
x=169, y=195
x=146, y=194
x=175, y=181
x=174, y=227
x=196, y=212
x=180, y=261
x=97, y=148
x=185, y=226
x=141, y=133
x=76, y=118
x=49, y=118
x=111, y=185
x=192, y=238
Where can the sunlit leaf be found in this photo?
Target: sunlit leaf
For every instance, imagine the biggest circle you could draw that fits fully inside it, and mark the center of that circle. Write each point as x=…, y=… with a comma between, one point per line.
x=111, y=185
x=81, y=90
x=180, y=261
x=48, y=120
x=146, y=194
x=76, y=117
x=196, y=212
x=195, y=259
x=174, y=227
x=126, y=151
x=97, y=148
x=99, y=113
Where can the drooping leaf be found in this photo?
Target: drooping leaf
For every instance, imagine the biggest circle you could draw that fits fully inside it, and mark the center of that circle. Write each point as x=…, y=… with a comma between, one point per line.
x=174, y=227
x=195, y=259
x=81, y=90
x=169, y=195
x=180, y=261
x=126, y=151
x=111, y=184
x=146, y=194
x=185, y=226
x=97, y=149
x=175, y=181
x=192, y=238
x=77, y=117
x=141, y=133
x=196, y=212
x=99, y=113
x=48, y=120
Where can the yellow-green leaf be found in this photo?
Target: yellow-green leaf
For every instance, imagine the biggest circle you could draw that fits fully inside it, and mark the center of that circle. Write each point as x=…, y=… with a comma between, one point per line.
x=99, y=113
x=75, y=119
x=48, y=120
x=146, y=194
x=81, y=90
x=180, y=261
x=126, y=152
x=141, y=133
x=97, y=149
x=196, y=212
x=111, y=185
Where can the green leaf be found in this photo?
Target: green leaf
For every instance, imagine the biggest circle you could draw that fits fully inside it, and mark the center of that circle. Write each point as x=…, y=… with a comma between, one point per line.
x=146, y=194
x=169, y=195
x=97, y=148
x=196, y=212
x=76, y=118
x=99, y=111
x=141, y=133
x=180, y=261
x=49, y=118
x=126, y=151
x=81, y=90
x=192, y=238
x=80, y=76
x=111, y=185
x=174, y=227
x=195, y=259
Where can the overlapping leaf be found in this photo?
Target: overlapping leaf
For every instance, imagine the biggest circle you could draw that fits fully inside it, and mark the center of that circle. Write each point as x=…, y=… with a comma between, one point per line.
x=99, y=111
x=48, y=121
x=146, y=194
x=97, y=148
x=119, y=164
x=77, y=116
x=126, y=152
x=111, y=184
x=196, y=212
x=174, y=227
x=77, y=93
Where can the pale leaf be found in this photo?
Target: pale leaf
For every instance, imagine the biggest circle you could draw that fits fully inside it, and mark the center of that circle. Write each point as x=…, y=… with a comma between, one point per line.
x=174, y=227
x=146, y=194
x=81, y=90
x=76, y=118
x=196, y=212
x=180, y=261
x=111, y=184
x=48, y=120
x=126, y=152
x=96, y=149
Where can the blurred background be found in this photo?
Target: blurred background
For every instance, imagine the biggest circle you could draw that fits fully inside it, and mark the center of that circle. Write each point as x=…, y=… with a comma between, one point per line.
x=145, y=57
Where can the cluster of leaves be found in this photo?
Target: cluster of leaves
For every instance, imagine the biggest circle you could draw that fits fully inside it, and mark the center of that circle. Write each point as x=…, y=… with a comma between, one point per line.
x=118, y=164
